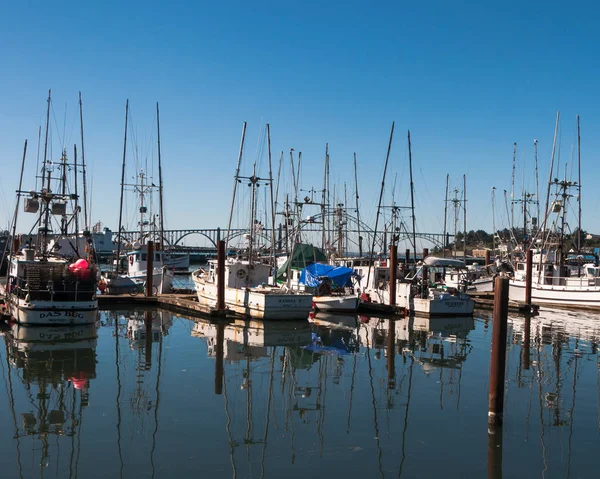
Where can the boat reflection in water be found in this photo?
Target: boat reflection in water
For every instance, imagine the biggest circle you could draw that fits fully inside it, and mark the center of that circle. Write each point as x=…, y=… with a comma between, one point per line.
x=49, y=376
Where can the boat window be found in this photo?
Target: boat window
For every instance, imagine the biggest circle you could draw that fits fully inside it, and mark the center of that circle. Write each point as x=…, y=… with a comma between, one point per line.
x=157, y=257
x=143, y=256
x=520, y=266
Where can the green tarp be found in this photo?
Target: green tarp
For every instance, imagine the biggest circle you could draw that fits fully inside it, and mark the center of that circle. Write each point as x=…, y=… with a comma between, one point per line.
x=303, y=255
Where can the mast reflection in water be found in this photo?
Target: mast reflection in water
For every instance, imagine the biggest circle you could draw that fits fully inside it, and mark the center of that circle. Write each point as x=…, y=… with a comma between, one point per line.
x=147, y=394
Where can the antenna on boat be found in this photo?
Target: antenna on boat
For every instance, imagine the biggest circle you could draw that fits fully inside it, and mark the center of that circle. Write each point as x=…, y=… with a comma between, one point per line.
x=235, y=182
x=160, y=182
x=122, y=186
x=387, y=158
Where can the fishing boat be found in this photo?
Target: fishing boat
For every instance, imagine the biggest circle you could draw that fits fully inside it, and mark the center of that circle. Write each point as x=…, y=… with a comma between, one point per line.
x=426, y=293
x=331, y=287
x=247, y=279
x=43, y=287
x=131, y=272
x=559, y=277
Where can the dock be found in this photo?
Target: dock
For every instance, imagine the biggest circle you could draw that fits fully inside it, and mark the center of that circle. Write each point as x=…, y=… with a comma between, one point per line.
x=486, y=301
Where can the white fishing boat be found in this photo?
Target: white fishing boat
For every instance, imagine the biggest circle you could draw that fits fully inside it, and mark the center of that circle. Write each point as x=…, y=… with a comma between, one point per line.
x=559, y=278
x=557, y=285
x=426, y=293
x=247, y=291
x=135, y=277
x=49, y=290
x=43, y=287
x=246, y=278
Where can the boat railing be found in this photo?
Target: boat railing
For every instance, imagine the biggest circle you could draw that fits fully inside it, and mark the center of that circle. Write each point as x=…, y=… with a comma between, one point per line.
x=54, y=291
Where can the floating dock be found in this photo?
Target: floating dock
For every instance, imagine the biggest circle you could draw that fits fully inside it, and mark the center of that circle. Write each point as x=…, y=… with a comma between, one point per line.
x=486, y=301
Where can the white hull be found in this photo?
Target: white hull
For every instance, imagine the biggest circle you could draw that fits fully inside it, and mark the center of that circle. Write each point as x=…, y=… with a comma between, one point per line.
x=336, y=303
x=587, y=297
x=67, y=313
x=259, y=302
x=436, y=304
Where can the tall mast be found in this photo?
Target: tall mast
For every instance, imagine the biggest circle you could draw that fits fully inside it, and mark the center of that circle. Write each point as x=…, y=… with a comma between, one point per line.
x=142, y=206
x=63, y=184
x=579, y=184
x=76, y=210
x=324, y=201
x=253, y=182
x=493, y=220
x=235, y=183
x=86, y=225
x=272, y=201
x=551, y=172
x=445, y=216
x=512, y=191
x=357, y=210
x=14, y=225
x=387, y=158
x=327, y=169
x=160, y=182
x=122, y=186
x=412, y=199
x=40, y=247
x=465, y=216
x=537, y=184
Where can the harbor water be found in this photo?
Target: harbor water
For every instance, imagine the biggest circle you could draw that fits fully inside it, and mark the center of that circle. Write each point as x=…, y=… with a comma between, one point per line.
x=151, y=394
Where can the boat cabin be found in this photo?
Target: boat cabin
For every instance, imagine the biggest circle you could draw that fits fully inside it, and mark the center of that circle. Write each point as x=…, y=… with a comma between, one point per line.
x=241, y=274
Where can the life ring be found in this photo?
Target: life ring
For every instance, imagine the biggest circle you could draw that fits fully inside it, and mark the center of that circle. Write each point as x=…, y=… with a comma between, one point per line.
x=241, y=273
x=131, y=259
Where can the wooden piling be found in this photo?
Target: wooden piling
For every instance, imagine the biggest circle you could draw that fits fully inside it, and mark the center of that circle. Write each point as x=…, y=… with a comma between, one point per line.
x=393, y=273
x=498, y=359
x=221, y=276
x=149, y=267
x=219, y=359
x=528, y=277
x=425, y=253
x=487, y=257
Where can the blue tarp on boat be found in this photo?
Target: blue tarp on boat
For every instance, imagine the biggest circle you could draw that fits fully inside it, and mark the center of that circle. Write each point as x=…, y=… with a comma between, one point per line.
x=339, y=275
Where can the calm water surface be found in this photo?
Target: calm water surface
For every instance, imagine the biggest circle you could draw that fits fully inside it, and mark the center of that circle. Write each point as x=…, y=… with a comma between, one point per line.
x=339, y=397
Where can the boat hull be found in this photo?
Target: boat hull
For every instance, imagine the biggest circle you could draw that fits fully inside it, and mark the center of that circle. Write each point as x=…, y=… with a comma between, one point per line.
x=336, y=303
x=66, y=313
x=124, y=284
x=559, y=296
x=260, y=303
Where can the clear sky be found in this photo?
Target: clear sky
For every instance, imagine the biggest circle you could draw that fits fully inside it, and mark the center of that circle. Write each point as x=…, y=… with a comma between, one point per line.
x=467, y=78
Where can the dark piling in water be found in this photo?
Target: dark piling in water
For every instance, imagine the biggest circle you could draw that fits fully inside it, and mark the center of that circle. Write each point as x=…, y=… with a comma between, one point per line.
x=528, y=277
x=149, y=267
x=221, y=276
x=393, y=273
x=498, y=359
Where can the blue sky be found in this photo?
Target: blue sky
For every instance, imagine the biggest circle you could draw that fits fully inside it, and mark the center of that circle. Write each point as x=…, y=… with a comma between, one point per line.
x=467, y=78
